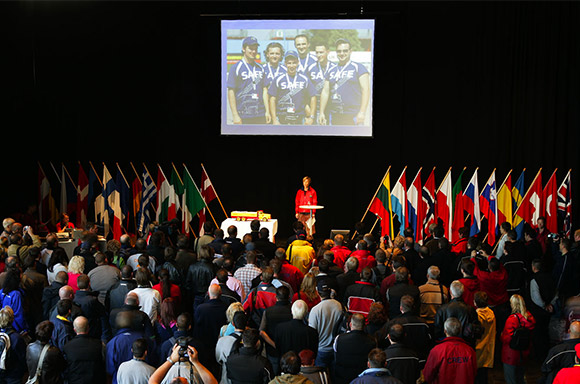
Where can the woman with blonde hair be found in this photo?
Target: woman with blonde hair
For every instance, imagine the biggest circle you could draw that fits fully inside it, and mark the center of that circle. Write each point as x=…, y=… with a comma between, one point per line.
x=229, y=328
x=76, y=267
x=308, y=291
x=513, y=357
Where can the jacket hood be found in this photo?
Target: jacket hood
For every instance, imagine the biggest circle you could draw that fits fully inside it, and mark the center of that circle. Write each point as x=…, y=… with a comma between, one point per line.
x=301, y=243
x=486, y=314
x=289, y=379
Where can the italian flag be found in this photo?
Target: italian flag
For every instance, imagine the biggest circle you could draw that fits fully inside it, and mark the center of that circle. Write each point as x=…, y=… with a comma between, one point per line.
x=167, y=199
x=192, y=200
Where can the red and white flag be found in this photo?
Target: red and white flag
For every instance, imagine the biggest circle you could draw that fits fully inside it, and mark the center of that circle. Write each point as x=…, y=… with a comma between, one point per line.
x=565, y=204
x=550, y=203
x=444, y=204
x=530, y=209
x=207, y=193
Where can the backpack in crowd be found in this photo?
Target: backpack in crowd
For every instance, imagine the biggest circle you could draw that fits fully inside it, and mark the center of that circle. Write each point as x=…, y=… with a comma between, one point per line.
x=521, y=337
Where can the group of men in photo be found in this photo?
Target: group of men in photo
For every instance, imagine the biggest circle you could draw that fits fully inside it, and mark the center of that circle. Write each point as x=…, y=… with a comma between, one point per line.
x=298, y=87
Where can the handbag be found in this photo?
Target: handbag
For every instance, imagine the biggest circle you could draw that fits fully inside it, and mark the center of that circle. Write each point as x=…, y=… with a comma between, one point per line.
x=34, y=379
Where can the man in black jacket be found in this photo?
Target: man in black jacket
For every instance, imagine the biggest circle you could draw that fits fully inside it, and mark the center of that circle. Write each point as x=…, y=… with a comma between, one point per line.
x=417, y=332
x=50, y=294
x=402, y=361
x=84, y=356
x=562, y=355
x=247, y=365
x=273, y=316
x=200, y=275
x=400, y=289
x=115, y=297
x=92, y=309
x=349, y=277
x=295, y=335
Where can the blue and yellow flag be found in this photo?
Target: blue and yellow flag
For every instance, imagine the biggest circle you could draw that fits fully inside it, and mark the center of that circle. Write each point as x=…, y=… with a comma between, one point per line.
x=518, y=192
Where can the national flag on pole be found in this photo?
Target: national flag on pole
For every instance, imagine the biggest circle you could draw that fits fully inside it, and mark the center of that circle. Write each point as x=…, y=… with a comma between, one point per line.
x=471, y=204
x=518, y=191
x=415, y=207
x=167, y=200
x=137, y=192
x=444, y=204
x=458, y=208
x=504, y=201
x=46, y=204
x=68, y=195
x=124, y=194
x=208, y=194
x=112, y=200
x=148, y=194
x=428, y=200
x=398, y=201
x=550, y=203
x=192, y=199
x=530, y=209
x=565, y=204
x=82, y=198
x=382, y=206
x=488, y=205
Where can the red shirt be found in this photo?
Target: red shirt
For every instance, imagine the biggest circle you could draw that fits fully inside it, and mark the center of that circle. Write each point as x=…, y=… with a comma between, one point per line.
x=175, y=293
x=568, y=375
x=365, y=259
x=341, y=253
x=471, y=286
x=451, y=361
x=291, y=275
x=493, y=283
x=302, y=296
x=305, y=198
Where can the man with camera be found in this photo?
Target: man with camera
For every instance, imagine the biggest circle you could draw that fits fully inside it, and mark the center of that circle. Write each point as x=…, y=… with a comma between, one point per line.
x=182, y=366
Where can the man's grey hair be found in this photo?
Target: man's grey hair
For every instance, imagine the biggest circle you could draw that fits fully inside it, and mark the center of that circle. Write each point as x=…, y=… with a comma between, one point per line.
x=452, y=327
x=433, y=272
x=456, y=288
x=299, y=310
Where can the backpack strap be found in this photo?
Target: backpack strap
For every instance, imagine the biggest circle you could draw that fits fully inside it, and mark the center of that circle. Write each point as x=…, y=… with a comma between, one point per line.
x=41, y=359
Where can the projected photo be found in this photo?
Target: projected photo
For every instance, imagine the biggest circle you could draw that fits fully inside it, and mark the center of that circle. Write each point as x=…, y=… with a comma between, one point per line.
x=297, y=77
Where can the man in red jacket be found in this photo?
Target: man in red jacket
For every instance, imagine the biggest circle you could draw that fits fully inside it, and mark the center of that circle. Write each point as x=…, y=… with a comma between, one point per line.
x=452, y=360
x=340, y=252
x=364, y=257
x=494, y=281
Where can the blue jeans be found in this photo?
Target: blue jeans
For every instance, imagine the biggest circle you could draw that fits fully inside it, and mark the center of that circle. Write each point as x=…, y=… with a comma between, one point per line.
x=324, y=358
x=514, y=374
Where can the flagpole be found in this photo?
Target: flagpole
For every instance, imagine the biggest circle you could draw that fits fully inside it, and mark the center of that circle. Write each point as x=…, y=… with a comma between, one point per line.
x=481, y=193
x=532, y=183
x=215, y=222
x=177, y=173
x=376, y=221
x=371, y=203
x=126, y=182
x=56, y=173
x=68, y=174
x=134, y=170
x=449, y=170
x=216, y=195
x=96, y=174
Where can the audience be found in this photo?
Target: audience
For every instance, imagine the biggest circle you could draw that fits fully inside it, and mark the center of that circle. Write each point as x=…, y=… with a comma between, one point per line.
x=210, y=316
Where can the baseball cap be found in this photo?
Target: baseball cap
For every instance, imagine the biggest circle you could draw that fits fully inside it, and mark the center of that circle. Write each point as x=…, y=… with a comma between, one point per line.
x=250, y=40
x=301, y=235
x=291, y=53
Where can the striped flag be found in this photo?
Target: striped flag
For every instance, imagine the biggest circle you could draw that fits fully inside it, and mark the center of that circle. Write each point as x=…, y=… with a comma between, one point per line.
x=550, y=203
x=382, y=207
x=167, y=199
x=398, y=201
x=488, y=204
x=208, y=194
x=518, y=191
x=415, y=207
x=471, y=204
x=112, y=200
x=148, y=194
x=565, y=204
x=192, y=199
x=444, y=204
x=458, y=208
x=504, y=201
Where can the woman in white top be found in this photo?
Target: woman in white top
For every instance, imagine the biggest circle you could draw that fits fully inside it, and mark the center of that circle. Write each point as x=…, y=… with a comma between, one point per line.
x=58, y=262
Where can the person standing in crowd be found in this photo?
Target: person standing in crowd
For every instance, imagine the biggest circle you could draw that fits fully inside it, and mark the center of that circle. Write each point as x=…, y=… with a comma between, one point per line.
x=136, y=370
x=562, y=355
x=432, y=295
x=291, y=95
x=513, y=359
x=402, y=360
x=14, y=353
x=53, y=363
x=485, y=347
x=300, y=253
x=376, y=373
x=247, y=94
x=347, y=88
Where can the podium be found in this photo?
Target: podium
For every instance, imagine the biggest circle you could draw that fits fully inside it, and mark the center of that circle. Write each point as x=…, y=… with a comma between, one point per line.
x=311, y=220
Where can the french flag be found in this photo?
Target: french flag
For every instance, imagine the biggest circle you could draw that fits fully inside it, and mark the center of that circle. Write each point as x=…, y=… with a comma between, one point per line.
x=415, y=208
x=398, y=199
x=488, y=204
x=471, y=204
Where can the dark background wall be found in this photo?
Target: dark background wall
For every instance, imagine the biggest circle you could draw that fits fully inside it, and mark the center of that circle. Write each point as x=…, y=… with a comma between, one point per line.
x=488, y=85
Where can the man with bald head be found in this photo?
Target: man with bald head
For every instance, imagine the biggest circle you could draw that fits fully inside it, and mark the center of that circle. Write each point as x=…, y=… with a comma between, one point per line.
x=208, y=319
x=562, y=355
x=84, y=355
x=140, y=320
x=66, y=292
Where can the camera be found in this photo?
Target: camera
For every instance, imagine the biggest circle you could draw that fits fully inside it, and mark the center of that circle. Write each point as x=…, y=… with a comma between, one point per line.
x=183, y=343
x=554, y=236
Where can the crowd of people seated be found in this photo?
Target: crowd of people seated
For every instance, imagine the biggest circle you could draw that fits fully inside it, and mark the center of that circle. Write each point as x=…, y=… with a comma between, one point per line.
x=229, y=309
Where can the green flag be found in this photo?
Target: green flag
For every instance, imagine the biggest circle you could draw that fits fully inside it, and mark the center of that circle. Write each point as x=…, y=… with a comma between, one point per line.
x=192, y=200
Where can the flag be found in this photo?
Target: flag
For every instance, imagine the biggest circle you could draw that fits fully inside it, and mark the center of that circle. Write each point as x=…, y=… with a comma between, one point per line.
x=458, y=208
x=504, y=201
x=398, y=201
x=207, y=193
x=112, y=205
x=471, y=204
x=530, y=208
x=68, y=195
x=137, y=192
x=428, y=201
x=550, y=203
x=382, y=207
x=167, y=200
x=148, y=194
x=124, y=193
x=518, y=191
x=192, y=199
x=415, y=207
x=82, y=198
x=565, y=204
x=488, y=204
x=444, y=204
x=46, y=204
